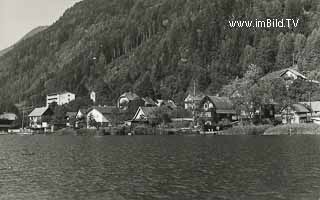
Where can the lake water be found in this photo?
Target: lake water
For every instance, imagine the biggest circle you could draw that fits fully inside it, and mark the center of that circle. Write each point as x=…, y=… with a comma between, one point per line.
x=156, y=167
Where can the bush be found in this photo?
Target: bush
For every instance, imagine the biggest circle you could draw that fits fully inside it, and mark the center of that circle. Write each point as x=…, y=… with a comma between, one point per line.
x=247, y=130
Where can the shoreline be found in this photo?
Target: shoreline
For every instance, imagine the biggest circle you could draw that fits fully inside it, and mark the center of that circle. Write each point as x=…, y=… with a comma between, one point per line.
x=256, y=130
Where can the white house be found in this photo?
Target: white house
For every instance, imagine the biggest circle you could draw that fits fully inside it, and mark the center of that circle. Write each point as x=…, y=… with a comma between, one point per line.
x=192, y=101
x=39, y=117
x=60, y=98
x=100, y=115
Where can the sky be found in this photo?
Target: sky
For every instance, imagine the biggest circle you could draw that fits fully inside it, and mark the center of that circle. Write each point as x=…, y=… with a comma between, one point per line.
x=18, y=17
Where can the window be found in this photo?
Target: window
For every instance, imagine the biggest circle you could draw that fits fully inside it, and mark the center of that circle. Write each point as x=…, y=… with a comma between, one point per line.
x=206, y=106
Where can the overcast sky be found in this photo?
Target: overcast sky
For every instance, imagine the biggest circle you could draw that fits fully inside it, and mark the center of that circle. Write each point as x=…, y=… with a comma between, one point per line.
x=18, y=17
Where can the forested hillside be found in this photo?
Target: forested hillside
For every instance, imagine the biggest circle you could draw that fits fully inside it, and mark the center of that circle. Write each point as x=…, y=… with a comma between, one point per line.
x=157, y=48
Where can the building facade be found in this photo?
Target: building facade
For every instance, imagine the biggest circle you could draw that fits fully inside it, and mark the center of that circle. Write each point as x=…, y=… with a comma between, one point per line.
x=214, y=110
x=60, y=98
x=99, y=116
x=40, y=118
x=295, y=114
x=192, y=101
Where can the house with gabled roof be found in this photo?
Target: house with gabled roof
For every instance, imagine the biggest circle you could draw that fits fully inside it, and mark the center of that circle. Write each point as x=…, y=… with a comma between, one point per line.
x=192, y=101
x=145, y=114
x=128, y=103
x=213, y=109
x=101, y=116
x=295, y=114
x=60, y=98
x=40, y=118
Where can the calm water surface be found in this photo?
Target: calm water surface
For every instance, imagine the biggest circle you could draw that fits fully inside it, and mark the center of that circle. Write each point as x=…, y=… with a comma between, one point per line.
x=176, y=167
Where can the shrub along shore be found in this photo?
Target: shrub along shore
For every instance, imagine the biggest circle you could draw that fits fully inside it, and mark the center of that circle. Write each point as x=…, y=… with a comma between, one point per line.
x=294, y=129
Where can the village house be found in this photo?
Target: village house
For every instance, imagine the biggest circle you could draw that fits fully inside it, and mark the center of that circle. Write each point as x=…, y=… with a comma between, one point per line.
x=60, y=98
x=314, y=106
x=144, y=115
x=99, y=116
x=292, y=74
x=191, y=102
x=128, y=103
x=148, y=102
x=7, y=121
x=39, y=118
x=214, y=109
x=295, y=114
x=166, y=103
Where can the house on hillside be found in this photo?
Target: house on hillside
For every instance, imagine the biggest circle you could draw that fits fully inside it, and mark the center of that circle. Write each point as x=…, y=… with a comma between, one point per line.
x=98, y=116
x=60, y=98
x=148, y=102
x=166, y=103
x=314, y=107
x=192, y=101
x=214, y=109
x=145, y=115
x=291, y=74
x=295, y=114
x=39, y=118
x=128, y=103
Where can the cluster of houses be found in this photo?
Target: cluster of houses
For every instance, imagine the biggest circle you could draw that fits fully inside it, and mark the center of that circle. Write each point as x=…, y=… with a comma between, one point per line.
x=198, y=110
x=132, y=109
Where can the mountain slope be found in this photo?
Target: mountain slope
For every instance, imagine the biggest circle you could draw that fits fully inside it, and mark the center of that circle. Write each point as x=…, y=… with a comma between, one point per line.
x=26, y=36
x=153, y=47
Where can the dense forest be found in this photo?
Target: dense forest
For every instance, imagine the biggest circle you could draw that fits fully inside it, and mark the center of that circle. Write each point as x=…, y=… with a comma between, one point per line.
x=159, y=48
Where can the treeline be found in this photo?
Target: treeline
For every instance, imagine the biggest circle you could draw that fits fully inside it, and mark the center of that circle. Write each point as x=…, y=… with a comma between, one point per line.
x=158, y=48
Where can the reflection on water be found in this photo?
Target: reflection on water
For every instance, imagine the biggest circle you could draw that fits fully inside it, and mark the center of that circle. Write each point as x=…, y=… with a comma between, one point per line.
x=176, y=167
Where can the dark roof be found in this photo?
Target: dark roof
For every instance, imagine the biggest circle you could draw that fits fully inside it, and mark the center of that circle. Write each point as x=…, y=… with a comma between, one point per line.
x=222, y=104
x=149, y=112
x=83, y=110
x=149, y=101
x=71, y=114
x=167, y=103
x=315, y=105
x=280, y=73
x=130, y=95
x=298, y=107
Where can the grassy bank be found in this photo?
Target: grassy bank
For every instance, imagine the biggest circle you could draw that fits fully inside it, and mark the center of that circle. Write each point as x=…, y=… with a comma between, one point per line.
x=247, y=130
x=294, y=129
